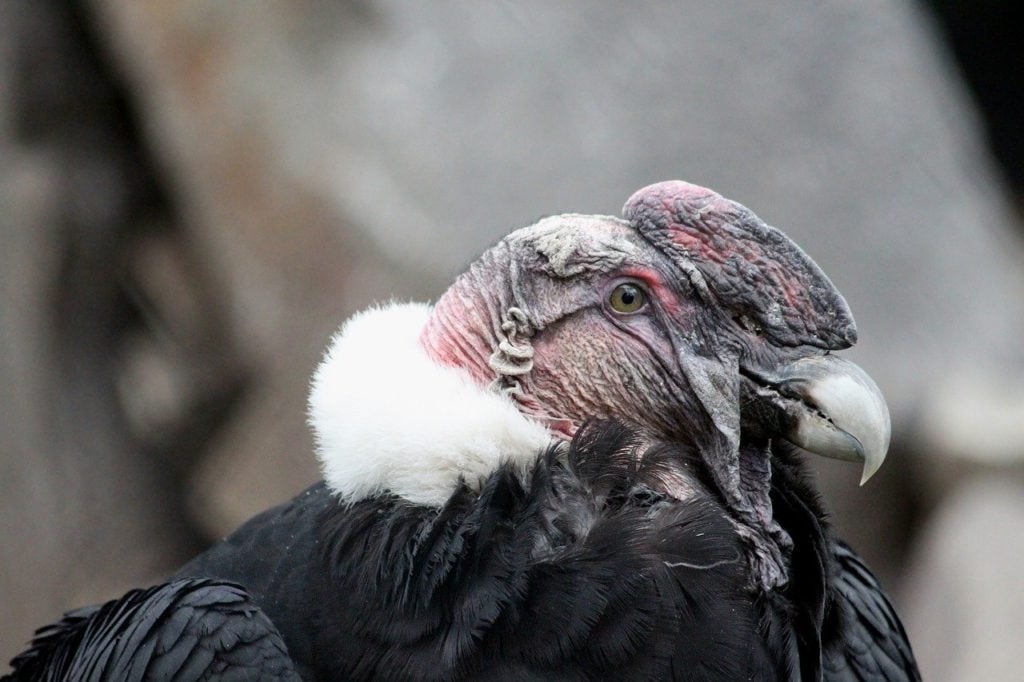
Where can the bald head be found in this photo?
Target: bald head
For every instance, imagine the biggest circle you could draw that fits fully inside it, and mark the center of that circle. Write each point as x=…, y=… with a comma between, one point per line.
x=690, y=319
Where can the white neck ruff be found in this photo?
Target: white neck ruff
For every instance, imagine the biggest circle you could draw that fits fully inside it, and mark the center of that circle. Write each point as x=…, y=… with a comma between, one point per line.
x=387, y=418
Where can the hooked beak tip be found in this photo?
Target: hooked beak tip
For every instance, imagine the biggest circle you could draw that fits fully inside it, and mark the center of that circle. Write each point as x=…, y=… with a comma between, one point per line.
x=871, y=467
x=842, y=414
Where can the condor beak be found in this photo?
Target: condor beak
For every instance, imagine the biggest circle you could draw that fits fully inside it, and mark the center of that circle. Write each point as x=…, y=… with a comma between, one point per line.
x=831, y=407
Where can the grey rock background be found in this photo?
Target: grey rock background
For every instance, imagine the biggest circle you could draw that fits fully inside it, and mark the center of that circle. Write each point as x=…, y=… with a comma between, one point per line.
x=192, y=204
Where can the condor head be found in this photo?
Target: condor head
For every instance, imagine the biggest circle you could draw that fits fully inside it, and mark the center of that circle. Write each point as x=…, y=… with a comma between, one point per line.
x=690, y=318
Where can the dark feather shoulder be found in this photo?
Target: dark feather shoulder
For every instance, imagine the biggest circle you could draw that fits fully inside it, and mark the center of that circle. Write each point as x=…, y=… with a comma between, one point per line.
x=580, y=569
x=870, y=642
x=182, y=630
x=846, y=625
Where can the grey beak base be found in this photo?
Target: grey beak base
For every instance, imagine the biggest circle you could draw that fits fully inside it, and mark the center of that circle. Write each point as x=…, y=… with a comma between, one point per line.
x=840, y=413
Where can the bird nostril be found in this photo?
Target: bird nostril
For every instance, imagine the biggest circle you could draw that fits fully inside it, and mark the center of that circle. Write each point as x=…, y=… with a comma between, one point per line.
x=747, y=324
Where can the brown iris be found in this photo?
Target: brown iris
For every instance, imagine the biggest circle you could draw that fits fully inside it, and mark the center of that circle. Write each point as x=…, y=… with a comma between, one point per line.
x=627, y=298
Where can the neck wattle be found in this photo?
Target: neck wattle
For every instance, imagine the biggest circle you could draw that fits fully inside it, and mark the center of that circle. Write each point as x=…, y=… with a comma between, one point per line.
x=769, y=545
x=465, y=326
x=454, y=336
x=489, y=338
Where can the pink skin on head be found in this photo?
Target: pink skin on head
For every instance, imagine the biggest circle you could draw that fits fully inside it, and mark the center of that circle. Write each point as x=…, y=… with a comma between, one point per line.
x=446, y=346
x=458, y=334
x=448, y=340
x=463, y=332
x=469, y=323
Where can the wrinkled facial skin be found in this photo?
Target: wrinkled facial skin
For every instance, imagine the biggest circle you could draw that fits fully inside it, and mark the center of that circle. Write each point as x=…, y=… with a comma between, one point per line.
x=727, y=353
x=667, y=367
x=622, y=366
x=672, y=367
x=590, y=361
x=628, y=372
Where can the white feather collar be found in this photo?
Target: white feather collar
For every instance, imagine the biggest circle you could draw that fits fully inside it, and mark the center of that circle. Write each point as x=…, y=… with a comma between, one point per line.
x=386, y=418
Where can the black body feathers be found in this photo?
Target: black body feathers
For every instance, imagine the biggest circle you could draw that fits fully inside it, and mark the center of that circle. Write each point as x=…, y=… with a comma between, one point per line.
x=182, y=630
x=608, y=560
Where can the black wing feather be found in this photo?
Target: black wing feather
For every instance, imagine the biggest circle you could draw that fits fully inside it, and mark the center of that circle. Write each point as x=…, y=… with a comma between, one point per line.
x=874, y=645
x=182, y=630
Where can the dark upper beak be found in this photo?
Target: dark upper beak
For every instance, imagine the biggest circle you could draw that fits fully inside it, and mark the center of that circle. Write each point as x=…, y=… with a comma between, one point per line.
x=825, y=405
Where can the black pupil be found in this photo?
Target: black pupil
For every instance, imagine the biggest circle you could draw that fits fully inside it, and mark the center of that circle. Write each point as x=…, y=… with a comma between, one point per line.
x=628, y=295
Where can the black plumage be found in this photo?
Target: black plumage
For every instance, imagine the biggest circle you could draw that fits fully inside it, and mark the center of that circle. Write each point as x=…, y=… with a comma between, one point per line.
x=181, y=630
x=584, y=568
x=874, y=644
x=842, y=611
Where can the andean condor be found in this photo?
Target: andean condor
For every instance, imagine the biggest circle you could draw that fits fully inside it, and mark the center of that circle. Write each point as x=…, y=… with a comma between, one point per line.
x=582, y=463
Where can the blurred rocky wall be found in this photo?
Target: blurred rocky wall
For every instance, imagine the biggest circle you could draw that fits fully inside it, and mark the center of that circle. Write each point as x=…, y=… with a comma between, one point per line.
x=109, y=341
x=300, y=160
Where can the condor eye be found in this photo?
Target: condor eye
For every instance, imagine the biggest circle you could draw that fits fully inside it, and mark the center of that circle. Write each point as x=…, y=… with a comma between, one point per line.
x=627, y=298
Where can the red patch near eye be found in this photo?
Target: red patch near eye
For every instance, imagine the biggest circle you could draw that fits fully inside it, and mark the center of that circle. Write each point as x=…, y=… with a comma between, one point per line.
x=656, y=285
